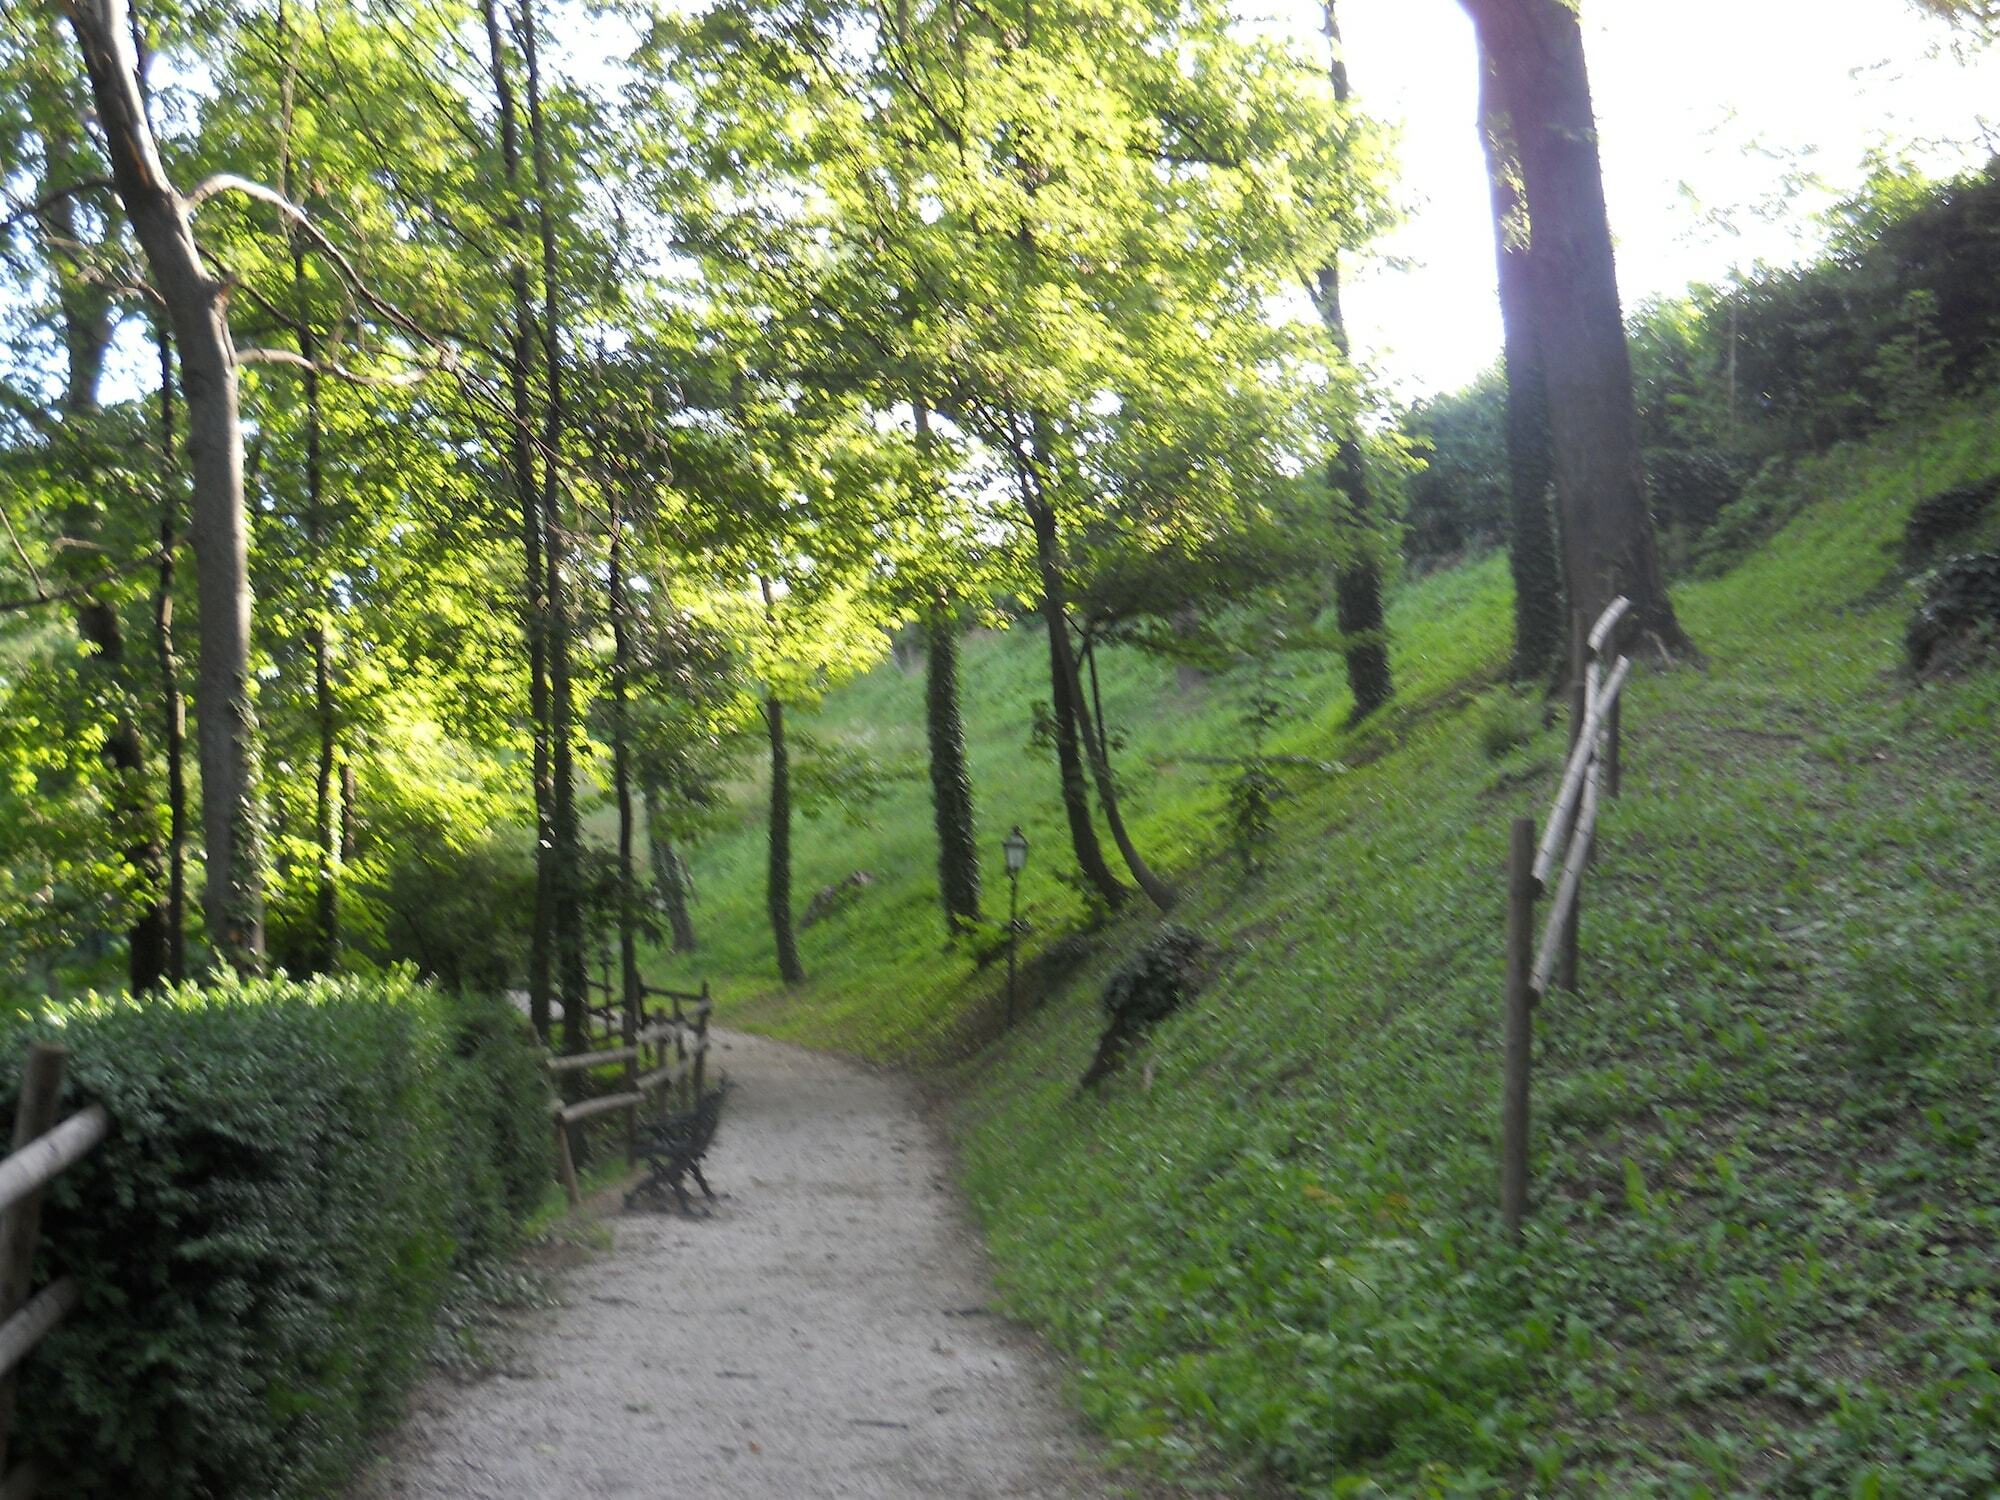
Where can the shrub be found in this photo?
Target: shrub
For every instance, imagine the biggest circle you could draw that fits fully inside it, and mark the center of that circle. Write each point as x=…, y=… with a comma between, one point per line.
x=1506, y=722
x=294, y=1173
x=1946, y=516
x=1961, y=606
x=1147, y=988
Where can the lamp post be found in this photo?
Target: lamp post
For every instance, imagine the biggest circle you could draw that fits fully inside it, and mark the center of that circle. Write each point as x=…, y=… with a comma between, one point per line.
x=1016, y=847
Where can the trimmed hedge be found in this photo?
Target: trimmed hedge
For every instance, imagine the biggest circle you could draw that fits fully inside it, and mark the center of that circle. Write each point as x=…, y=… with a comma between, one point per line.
x=295, y=1172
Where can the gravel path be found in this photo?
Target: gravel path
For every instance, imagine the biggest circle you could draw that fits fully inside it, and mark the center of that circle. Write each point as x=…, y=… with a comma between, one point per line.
x=826, y=1333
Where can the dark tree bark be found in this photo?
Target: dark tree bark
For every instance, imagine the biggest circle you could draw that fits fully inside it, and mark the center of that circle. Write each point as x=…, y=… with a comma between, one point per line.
x=1541, y=83
x=1357, y=585
x=86, y=324
x=196, y=304
x=621, y=772
x=324, y=946
x=778, y=886
x=535, y=612
x=173, y=705
x=951, y=779
x=572, y=973
x=1063, y=691
x=1158, y=891
x=1539, y=628
x=670, y=876
x=778, y=880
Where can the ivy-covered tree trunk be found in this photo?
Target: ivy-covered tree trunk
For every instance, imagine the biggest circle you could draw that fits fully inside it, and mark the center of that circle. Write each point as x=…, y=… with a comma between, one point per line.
x=572, y=973
x=1531, y=539
x=778, y=884
x=1542, y=84
x=1063, y=693
x=1357, y=584
x=670, y=876
x=951, y=778
x=527, y=496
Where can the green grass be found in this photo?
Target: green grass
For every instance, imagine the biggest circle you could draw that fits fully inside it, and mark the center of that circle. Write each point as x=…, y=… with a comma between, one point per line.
x=1767, y=1141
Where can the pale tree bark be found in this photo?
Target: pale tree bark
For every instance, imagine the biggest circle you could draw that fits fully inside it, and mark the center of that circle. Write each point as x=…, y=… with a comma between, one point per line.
x=670, y=875
x=197, y=306
x=1541, y=83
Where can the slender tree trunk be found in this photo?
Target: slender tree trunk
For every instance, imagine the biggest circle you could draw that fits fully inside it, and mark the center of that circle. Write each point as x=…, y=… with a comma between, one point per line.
x=621, y=770
x=324, y=947
x=86, y=325
x=1063, y=691
x=1539, y=623
x=572, y=974
x=535, y=611
x=173, y=704
x=670, y=876
x=1542, y=84
x=951, y=779
x=1158, y=891
x=196, y=304
x=778, y=880
x=1357, y=585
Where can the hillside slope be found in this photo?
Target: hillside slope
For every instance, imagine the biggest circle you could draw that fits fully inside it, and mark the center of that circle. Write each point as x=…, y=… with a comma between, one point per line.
x=1767, y=1140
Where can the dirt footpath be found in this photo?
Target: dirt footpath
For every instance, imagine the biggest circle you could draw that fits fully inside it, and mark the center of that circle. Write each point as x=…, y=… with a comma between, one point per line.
x=826, y=1333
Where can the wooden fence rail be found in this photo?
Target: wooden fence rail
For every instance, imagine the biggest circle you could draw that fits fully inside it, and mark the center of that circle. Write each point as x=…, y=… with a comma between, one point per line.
x=42, y=1150
x=1568, y=838
x=680, y=1021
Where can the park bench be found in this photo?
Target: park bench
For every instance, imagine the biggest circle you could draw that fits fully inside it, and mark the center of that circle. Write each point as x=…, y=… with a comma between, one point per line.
x=673, y=1148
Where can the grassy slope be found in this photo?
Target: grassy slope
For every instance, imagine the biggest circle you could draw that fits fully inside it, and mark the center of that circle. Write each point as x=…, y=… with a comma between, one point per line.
x=1768, y=1142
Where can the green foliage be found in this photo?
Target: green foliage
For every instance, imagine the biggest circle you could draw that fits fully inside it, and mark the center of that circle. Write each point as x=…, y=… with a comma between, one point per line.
x=1507, y=721
x=296, y=1173
x=1763, y=1162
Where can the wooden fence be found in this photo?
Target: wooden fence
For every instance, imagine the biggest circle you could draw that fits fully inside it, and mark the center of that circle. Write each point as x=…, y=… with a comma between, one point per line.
x=1563, y=852
x=42, y=1150
x=663, y=1019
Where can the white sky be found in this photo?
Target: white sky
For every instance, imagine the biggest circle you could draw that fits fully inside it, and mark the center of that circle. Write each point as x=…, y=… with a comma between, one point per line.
x=1705, y=107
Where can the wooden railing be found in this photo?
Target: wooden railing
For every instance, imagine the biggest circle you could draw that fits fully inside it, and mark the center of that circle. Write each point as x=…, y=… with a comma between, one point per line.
x=1563, y=852
x=42, y=1150
x=663, y=1018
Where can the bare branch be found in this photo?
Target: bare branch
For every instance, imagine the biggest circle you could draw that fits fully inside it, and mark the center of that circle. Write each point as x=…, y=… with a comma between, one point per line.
x=295, y=360
x=51, y=198
x=79, y=590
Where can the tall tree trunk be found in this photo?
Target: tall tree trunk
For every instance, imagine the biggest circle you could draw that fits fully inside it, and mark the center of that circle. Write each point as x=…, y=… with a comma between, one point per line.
x=778, y=878
x=173, y=704
x=1542, y=84
x=324, y=946
x=535, y=611
x=1063, y=691
x=1539, y=627
x=944, y=726
x=572, y=973
x=670, y=876
x=197, y=305
x=1357, y=585
x=951, y=778
x=621, y=770
x=1158, y=891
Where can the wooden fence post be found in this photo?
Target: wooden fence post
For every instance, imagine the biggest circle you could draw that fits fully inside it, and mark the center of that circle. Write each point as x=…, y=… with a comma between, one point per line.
x=701, y=1037
x=1614, y=746
x=1519, y=1026
x=41, y=1086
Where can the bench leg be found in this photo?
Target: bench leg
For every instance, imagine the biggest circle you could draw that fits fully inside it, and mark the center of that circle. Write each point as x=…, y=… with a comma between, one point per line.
x=702, y=1182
